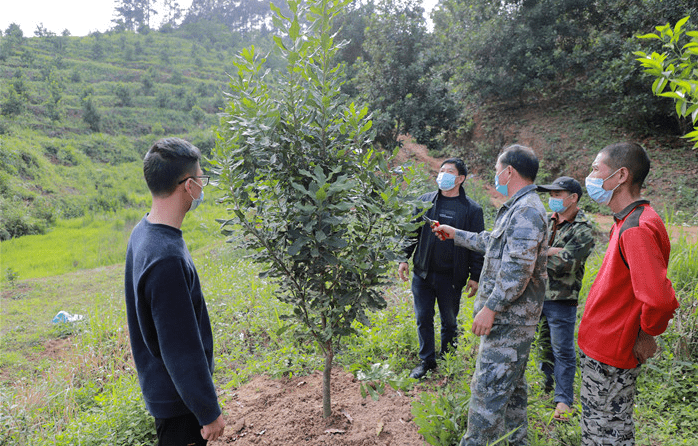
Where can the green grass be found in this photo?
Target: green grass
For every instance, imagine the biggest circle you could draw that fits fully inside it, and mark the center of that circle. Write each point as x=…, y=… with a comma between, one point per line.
x=88, y=392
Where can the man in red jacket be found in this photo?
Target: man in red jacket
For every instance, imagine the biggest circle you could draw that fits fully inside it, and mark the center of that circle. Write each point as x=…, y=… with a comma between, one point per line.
x=630, y=302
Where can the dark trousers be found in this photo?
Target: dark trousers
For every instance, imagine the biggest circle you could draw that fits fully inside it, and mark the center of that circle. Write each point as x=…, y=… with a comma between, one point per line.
x=436, y=289
x=179, y=431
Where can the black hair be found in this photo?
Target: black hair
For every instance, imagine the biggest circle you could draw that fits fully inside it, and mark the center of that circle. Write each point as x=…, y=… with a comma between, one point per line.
x=460, y=165
x=630, y=155
x=522, y=159
x=167, y=162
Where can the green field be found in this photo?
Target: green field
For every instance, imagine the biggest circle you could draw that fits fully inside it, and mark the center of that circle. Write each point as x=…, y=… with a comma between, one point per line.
x=72, y=384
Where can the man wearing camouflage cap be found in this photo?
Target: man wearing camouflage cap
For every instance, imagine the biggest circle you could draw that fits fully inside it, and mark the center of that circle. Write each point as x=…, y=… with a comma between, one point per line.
x=570, y=243
x=509, y=301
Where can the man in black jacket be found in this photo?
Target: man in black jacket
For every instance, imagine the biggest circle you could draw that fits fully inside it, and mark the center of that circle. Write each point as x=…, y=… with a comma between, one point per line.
x=440, y=270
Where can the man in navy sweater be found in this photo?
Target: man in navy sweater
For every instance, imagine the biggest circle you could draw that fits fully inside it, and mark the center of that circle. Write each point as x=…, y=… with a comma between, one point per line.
x=169, y=327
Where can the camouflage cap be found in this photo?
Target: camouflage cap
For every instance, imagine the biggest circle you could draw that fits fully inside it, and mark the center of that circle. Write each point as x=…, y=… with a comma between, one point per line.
x=563, y=183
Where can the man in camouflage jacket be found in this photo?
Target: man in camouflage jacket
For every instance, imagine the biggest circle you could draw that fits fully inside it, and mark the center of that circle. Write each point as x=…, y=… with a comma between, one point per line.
x=570, y=243
x=509, y=301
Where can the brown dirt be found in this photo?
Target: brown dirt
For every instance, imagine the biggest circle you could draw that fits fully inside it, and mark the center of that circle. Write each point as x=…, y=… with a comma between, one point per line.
x=289, y=411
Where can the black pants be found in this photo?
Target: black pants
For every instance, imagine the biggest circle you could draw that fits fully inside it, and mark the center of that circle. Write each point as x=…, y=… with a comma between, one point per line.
x=179, y=431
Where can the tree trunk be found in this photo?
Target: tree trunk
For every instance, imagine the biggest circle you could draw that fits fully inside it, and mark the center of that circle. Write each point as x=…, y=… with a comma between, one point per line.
x=326, y=378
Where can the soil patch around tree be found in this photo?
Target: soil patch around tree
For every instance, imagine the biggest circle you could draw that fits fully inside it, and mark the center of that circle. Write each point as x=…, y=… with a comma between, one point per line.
x=286, y=411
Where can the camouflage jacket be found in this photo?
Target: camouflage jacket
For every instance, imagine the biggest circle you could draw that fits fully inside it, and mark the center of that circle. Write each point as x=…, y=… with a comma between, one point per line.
x=514, y=275
x=566, y=268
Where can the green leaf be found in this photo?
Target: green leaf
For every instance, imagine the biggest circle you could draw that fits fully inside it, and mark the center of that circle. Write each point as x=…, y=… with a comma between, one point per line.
x=297, y=245
x=294, y=30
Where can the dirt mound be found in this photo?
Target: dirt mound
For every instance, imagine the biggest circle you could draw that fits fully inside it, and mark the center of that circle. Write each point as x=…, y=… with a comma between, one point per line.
x=289, y=412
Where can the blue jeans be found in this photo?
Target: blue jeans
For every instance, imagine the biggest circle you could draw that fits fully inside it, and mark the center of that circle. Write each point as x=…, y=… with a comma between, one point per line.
x=560, y=360
x=441, y=289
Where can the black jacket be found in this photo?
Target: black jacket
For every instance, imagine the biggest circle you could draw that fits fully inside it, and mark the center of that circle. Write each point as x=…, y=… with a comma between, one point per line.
x=467, y=263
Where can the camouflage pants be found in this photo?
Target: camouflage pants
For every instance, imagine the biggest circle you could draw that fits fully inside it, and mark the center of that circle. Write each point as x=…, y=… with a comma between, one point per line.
x=499, y=393
x=608, y=397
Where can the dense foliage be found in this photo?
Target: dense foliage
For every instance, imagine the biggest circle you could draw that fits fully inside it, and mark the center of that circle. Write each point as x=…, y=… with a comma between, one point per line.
x=526, y=49
x=677, y=70
x=315, y=201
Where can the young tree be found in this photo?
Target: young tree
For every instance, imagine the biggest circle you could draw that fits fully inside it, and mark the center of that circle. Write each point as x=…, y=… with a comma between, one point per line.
x=314, y=200
x=90, y=114
x=676, y=68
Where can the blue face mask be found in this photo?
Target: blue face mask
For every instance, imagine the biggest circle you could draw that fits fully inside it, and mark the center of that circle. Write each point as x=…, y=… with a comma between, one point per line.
x=557, y=204
x=597, y=192
x=446, y=181
x=197, y=201
x=501, y=188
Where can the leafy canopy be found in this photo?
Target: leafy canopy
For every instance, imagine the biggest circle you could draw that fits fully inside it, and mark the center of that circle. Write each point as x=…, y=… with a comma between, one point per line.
x=313, y=199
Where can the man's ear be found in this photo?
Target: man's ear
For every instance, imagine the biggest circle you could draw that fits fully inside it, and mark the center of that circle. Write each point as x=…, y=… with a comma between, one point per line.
x=624, y=175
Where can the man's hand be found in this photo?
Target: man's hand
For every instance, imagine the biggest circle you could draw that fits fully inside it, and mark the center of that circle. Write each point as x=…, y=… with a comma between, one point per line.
x=445, y=231
x=645, y=347
x=212, y=431
x=471, y=288
x=403, y=271
x=484, y=319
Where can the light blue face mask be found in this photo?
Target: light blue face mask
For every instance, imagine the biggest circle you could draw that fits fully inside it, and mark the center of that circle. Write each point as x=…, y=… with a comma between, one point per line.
x=597, y=192
x=557, y=204
x=501, y=188
x=446, y=181
x=197, y=201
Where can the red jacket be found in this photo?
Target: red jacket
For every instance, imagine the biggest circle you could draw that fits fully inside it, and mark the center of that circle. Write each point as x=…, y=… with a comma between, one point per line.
x=631, y=290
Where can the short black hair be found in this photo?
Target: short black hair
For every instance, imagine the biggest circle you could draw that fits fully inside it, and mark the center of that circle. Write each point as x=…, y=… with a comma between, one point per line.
x=460, y=165
x=522, y=159
x=167, y=161
x=630, y=155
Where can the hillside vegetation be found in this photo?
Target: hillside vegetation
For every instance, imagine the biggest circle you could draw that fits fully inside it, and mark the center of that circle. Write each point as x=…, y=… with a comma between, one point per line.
x=79, y=113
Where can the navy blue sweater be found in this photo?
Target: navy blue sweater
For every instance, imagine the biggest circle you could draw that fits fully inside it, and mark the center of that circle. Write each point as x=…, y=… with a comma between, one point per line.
x=168, y=323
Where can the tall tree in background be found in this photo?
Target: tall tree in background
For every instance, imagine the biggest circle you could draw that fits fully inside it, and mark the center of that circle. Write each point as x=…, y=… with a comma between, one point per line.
x=173, y=12
x=397, y=80
x=133, y=15
x=241, y=16
x=508, y=48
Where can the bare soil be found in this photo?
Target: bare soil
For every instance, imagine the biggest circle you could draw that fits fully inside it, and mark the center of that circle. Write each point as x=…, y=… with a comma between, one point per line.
x=289, y=412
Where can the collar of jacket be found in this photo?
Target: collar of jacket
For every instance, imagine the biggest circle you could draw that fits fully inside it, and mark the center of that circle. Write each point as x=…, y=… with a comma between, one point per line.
x=625, y=212
x=461, y=194
x=517, y=196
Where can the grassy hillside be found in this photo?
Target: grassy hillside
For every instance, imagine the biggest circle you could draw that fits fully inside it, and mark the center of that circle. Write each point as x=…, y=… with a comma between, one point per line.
x=78, y=113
